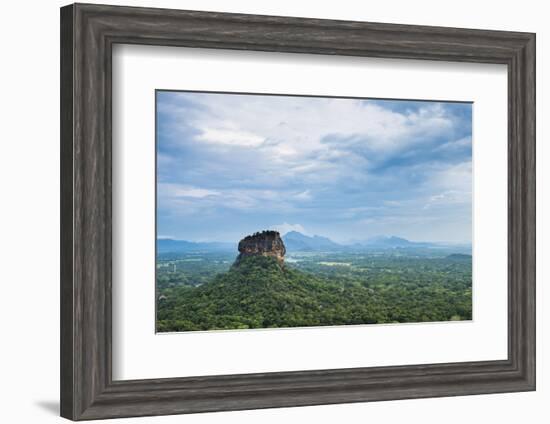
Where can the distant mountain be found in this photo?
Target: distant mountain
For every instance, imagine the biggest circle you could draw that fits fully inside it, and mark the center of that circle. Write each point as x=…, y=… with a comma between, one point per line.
x=295, y=241
x=183, y=246
x=388, y=241
x=298, y=242
x=391, y=242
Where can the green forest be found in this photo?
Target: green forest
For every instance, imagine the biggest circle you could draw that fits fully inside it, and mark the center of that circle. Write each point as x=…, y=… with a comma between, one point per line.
x=207, y=292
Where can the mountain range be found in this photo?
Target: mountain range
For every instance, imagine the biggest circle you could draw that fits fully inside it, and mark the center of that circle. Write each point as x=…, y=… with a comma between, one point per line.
x=297, y=242
x=165, y=245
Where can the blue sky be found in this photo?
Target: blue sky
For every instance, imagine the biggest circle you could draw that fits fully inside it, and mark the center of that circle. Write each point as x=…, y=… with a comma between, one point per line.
x=349, y=169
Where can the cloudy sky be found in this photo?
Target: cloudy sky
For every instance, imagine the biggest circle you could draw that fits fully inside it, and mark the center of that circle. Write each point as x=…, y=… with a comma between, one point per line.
x=349, y=169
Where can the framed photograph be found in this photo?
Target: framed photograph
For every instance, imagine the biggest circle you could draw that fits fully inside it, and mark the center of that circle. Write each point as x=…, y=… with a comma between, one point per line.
x=263, y=211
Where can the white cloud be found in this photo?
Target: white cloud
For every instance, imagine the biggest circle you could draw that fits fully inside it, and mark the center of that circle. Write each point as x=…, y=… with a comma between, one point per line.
x=187, y=200
x=176, y=190
x=456, y=144
x=449, y=186
x=303, y=195
x=449, y=197
x=293, y=130
x=230, y=137
x=456, y=177
x=283, y=157
x=285, y=227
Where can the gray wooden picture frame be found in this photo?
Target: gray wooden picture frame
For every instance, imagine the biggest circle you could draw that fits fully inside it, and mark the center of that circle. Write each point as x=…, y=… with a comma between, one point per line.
x=88, y=33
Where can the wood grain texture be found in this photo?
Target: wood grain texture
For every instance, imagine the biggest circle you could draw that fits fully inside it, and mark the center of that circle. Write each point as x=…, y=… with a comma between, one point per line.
x=88, y=33
x=66, y=211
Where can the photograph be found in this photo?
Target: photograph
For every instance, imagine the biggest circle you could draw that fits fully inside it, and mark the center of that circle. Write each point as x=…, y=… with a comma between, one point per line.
x=278, y=210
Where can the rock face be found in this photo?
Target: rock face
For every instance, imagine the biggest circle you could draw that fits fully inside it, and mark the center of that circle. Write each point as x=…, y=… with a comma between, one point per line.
x=266, y=243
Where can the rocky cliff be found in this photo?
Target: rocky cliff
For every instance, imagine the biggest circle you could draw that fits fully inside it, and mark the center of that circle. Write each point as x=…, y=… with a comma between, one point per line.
x=266, y=243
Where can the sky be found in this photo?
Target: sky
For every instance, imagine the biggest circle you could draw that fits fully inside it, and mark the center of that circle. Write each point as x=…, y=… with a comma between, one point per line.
x=229, y=165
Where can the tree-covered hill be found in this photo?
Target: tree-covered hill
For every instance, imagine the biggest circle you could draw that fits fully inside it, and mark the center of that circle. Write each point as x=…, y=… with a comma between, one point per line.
x=259, y=293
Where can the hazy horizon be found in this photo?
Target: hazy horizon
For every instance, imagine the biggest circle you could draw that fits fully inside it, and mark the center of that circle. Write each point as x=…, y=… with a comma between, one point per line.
x=345, y=242
x=229, y=165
